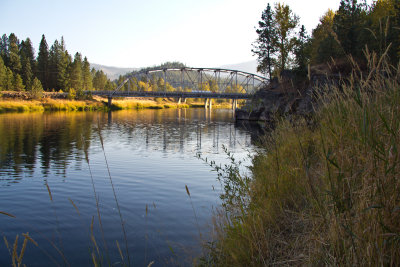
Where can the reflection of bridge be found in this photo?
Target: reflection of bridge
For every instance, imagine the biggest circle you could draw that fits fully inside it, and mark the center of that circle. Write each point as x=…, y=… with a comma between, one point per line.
x=182, y=83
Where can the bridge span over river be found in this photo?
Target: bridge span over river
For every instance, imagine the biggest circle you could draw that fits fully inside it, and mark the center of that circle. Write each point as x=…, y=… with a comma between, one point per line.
x=186, y=82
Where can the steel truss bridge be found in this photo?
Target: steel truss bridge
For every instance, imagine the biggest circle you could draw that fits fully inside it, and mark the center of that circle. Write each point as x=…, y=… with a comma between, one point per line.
x=189, y=82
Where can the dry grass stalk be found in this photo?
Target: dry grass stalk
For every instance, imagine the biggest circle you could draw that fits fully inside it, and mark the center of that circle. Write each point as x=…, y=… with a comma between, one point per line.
x=328, y=195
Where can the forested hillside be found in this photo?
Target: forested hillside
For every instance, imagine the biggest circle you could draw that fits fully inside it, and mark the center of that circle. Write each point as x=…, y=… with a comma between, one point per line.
x=353, y=29
x=53, y=68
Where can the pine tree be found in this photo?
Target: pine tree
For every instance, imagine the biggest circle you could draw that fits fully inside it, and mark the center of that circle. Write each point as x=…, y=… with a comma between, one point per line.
x=14, y=60
x=75, y=73
x=27, y=52
x=348, y=24
x=301, y=51
x=323, y=44
x=43, y=63
x=62, y=67
x=285, y=23
x=109, y=85
x=28, y=62
x=3, y=75
x=36, y=89
x=133, y=84
x=54, y=58
x=8, y=84
x=263, y=46
x=384, y=24
x=4, y=48
x=27, y=74
x=99, y=80
x=18, y=85
x=86, y=75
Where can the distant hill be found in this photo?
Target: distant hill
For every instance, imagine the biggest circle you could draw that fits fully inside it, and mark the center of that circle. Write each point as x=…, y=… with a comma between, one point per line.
x=112, y=72
x=248, y=66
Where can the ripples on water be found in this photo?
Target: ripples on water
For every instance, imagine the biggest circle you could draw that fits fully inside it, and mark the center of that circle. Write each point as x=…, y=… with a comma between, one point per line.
x=151, y=156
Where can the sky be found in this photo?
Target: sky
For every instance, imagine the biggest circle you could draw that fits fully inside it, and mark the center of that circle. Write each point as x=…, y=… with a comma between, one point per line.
x=123, y=33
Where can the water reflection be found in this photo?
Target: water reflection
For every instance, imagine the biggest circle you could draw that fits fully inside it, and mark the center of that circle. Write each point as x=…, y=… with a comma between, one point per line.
x=151, y=156
x=52, y=140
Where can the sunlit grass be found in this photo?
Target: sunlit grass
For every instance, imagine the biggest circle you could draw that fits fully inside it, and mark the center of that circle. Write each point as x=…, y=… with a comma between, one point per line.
x=48, y=104
x=322, y=195
x=20, y=106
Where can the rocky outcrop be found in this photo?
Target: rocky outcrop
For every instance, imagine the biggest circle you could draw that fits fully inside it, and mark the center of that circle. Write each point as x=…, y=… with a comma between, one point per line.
x=284, y=98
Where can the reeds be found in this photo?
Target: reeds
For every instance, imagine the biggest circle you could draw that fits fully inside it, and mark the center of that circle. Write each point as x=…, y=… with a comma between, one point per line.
x=328, y=195
x=15, y=256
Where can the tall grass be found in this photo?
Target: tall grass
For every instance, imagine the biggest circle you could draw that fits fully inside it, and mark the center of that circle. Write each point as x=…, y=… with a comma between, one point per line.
x=48, y=105
x=76, y=105
x=329, y=195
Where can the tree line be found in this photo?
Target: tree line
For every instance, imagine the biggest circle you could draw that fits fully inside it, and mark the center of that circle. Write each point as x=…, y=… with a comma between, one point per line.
x=353, y=29
x=53, y=69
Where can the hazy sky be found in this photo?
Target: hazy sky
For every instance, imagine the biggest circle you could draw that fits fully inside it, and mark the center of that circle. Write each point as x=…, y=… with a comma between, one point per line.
x=206, y=33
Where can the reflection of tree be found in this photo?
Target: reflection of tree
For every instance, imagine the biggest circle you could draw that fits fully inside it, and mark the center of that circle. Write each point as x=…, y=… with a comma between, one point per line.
x=51, y=137
x=54, y=141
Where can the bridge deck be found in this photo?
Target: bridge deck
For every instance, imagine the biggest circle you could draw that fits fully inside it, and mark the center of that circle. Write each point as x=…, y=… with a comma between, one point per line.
x=205, y=94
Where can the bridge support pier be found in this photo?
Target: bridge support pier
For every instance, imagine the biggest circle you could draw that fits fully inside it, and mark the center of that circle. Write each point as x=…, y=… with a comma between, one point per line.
x=234, y=104
x=181, y=100
x=109, y=103
x=208, y=103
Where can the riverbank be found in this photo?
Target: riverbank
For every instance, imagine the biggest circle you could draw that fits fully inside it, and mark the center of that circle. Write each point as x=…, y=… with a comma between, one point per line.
x=22, y=103
x=326, y=193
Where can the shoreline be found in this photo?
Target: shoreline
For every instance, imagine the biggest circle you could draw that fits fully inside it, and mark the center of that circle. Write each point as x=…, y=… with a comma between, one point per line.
x=52, y=102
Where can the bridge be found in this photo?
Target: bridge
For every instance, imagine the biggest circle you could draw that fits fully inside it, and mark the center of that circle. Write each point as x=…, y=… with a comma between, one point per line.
x=186, y=82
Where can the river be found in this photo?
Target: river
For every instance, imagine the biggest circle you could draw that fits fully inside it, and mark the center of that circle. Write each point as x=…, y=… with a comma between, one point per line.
x=52, y=166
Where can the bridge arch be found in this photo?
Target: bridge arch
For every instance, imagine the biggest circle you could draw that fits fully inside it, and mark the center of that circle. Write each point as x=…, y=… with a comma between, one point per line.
x=188, y=79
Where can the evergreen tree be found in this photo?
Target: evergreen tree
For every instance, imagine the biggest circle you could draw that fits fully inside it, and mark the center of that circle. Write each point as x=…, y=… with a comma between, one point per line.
x=27, y=74
x=75, y=73
x=59, y=61
x=62, y=67
x=18, y=85
x=54, y=57
x=133, y=84
x=384, y=25
x=43, y=63
x=323, y=43
x=14, y=60
x=263, y=46
x=3, y=75
x=285, y=23
x=36, y=89
x=302, y=51
x=109, y=85
x=27, y=52
x=86, y=75
x=28, y=62
x=348, y=25
x=99, y=80
x=8, y=84
x=4, y=48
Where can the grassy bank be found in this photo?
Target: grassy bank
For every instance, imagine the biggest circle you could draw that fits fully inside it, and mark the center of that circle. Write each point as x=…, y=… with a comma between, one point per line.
x=48, y=104
x=322, y=195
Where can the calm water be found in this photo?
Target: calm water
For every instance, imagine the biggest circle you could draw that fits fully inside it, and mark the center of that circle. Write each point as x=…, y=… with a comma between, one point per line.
x=151, y=156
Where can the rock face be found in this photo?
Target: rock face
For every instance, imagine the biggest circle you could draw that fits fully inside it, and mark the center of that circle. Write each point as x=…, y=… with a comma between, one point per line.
x=283, y=98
